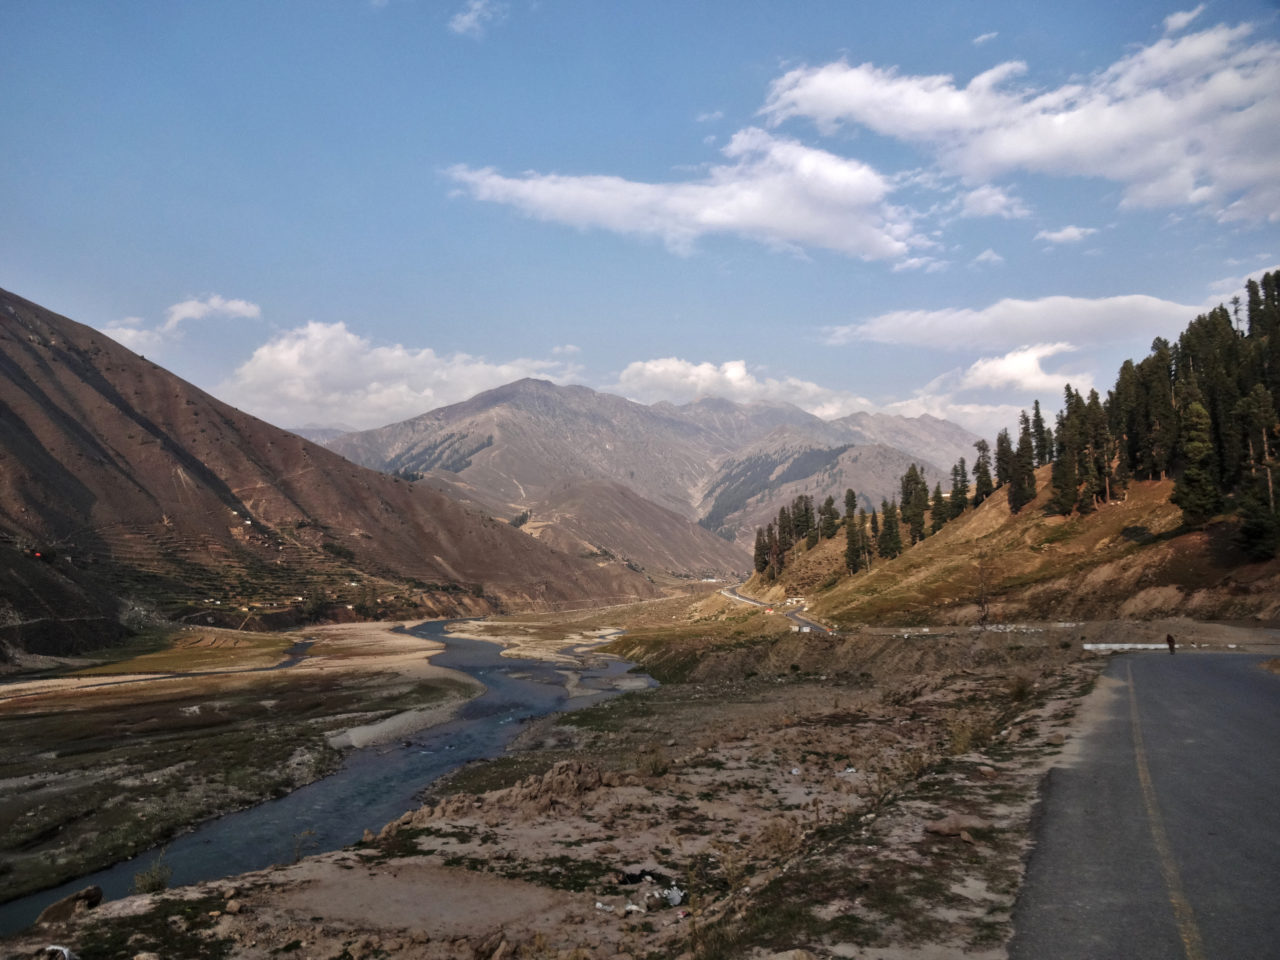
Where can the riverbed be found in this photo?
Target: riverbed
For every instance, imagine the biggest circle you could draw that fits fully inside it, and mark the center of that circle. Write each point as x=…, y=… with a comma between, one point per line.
x=374, y=785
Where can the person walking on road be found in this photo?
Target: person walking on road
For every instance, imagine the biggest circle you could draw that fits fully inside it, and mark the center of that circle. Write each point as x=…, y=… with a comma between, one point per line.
x=1168, y=638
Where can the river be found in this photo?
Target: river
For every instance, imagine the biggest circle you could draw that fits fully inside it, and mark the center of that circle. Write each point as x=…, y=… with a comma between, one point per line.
x=374, y=786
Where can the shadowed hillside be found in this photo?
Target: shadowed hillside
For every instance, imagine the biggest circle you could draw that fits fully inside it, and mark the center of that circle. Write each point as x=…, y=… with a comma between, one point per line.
x=138, y=486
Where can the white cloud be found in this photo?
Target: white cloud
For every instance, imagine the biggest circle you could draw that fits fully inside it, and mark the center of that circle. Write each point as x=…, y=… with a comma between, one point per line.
x=324, y=373
x=682, y=381
x=991, y=201
x=137, y=335
x=1177, y=22
x=927, y=264
x=476, y=16
x=1008, y=323
x=988, y=256
x=132, y=332
x=984, y=419
x=1023, y=369
x=565, y=350
x=1229, y=286
x=775, y=191
x=710, y=117
x=1188, y=120
x=965, y=395
x=982, y=38
x=211, y=306
x=1068, y=234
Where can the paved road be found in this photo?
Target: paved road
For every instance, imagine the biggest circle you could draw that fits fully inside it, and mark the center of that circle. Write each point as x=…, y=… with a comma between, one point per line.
x=796, y=617
x=1163, y=841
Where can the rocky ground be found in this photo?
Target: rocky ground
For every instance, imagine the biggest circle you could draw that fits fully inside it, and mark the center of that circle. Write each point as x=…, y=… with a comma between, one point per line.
x=867, y=796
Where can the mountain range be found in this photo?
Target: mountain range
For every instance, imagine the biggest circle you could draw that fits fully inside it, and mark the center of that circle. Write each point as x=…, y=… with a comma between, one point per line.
x=724, y=467
x=126, y=491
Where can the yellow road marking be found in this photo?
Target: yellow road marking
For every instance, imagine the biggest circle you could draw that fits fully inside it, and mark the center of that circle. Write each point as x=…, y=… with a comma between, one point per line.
x=1183, y=915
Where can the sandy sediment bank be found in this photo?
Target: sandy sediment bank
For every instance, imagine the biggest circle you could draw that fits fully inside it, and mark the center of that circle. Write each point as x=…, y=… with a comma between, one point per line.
x=519, y=641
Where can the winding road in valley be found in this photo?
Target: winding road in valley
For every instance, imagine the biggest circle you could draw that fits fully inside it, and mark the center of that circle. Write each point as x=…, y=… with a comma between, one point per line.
x=1161, y=841
x=795, y=616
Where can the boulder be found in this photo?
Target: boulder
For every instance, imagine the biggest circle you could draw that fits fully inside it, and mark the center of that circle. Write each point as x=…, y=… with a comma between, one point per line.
x=954, y=824
x=68, y=907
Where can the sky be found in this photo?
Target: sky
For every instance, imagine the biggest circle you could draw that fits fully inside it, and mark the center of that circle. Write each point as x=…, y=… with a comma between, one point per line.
x=350, y=212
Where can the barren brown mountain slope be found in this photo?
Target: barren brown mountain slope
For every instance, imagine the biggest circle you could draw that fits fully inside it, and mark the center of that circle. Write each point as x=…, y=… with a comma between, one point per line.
x=1130, y=559
x=523, y=445
x=142, y=482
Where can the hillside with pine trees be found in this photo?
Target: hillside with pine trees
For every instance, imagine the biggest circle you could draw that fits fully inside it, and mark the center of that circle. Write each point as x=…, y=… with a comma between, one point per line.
x=1157, y=501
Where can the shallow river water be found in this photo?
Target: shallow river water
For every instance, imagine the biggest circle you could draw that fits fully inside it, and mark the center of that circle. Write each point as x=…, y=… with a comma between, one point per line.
x=374, y=785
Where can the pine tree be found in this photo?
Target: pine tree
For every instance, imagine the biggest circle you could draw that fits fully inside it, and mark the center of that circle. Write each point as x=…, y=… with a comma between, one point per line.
x=761, y=557
x=1259, y=534
x=801, y=517
x=1257, y=415
x=1063, y=478
x=852, y=547
x=864, y=541
x=828, y=518
x=890, y=543
x=1196, y=491
x=1039, y=436
x=939, y=512
x=915, y=501
x=1004, y=458
x=959, y=488
x=1022, y=482
x=982, y=484
x=1099, y=450
x=850, y=504
x=1160, y=432
x=875, y=526
x=786, y=534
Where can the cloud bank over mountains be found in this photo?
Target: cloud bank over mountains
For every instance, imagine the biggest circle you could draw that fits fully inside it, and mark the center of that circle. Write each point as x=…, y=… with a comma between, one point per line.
x=1189, y=121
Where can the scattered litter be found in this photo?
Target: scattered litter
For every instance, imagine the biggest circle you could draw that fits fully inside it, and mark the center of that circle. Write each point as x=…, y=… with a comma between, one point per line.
x=632, y=908
x=607, y=908
x=674, y=895
x=63, y=952
x=850, y=769
x=795, y=771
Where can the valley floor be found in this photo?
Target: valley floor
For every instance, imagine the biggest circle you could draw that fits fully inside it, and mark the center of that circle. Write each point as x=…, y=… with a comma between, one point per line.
x=107, y=760
x=866, y=796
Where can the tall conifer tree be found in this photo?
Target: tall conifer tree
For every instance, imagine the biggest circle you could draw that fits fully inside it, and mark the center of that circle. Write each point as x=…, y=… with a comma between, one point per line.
x=982, y=484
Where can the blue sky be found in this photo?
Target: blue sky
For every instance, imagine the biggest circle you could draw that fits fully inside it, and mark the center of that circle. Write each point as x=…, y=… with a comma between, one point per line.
x=350, y=212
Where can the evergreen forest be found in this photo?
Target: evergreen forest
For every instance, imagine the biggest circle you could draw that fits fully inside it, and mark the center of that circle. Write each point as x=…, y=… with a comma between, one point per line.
x=1203, y=410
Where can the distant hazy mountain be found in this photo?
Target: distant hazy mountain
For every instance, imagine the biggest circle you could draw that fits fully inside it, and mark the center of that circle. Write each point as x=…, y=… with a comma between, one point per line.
x=925, y=438
x=149, y=489
x=320, y=434
x=522, y=446
x=751, y=488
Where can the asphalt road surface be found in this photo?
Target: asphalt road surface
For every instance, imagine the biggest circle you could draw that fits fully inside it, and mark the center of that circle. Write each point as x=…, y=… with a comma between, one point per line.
x=799, y=619
x=1162, y=841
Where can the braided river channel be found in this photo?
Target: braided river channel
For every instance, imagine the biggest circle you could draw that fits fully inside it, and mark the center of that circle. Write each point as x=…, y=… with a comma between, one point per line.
x=374, y=786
